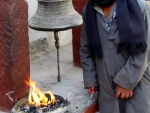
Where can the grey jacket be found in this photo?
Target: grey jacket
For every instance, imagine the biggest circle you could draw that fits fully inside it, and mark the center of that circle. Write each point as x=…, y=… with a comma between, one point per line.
x=130, y=72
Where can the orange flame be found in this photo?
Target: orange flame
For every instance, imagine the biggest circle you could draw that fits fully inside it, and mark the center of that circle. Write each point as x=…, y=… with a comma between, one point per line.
x=37, y=97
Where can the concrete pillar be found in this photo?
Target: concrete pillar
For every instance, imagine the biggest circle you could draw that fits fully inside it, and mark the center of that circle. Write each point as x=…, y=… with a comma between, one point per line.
x=14, y=52
x=78, y=5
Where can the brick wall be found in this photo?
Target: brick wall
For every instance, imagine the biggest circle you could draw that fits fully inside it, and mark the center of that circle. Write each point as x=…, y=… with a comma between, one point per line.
x=14, y=52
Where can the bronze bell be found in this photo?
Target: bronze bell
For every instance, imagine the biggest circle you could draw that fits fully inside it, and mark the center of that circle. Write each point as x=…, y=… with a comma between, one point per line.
x=55, y=15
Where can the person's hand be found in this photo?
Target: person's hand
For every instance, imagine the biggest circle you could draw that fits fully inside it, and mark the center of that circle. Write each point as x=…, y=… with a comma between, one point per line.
x=92, y=90
x=123, y=93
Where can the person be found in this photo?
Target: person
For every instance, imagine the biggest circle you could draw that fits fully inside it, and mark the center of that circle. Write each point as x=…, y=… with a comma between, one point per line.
x=114, y=53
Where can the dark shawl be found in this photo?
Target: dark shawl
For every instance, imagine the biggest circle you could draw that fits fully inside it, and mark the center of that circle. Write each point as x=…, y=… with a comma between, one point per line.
x=130, y=22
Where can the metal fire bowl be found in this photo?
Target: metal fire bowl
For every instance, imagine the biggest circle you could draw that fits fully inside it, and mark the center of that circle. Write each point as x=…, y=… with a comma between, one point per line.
x=24, y=101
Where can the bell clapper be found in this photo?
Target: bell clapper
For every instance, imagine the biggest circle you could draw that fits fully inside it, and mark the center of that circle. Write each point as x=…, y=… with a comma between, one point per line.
x=56, y=33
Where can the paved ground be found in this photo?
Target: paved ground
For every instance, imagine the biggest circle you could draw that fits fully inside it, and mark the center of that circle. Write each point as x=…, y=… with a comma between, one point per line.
x=44, y=72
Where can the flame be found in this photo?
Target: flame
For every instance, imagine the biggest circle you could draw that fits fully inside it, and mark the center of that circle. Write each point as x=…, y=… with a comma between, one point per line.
x=37, y=97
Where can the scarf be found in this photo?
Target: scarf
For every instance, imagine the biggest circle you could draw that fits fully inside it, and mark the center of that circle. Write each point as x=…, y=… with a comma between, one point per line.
x=130, y=22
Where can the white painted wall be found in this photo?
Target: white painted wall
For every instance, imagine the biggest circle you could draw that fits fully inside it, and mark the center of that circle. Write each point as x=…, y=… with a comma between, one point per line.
x=65, y=36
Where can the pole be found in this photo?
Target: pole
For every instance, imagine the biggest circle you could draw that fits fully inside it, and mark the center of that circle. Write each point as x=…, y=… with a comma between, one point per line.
x=57, y=47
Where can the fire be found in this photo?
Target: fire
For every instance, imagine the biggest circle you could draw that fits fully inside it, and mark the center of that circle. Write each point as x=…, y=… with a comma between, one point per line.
x=37, y=97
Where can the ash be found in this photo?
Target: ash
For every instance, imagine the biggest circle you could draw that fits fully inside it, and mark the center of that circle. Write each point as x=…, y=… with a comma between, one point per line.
x=51, y=107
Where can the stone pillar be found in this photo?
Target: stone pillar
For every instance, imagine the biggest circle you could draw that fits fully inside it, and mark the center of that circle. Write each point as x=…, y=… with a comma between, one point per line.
x=14, y=52
x=78, y=5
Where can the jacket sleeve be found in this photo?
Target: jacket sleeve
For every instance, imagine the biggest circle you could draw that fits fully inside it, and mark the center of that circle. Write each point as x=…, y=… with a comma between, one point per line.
x=130, y=75
x=87, y=59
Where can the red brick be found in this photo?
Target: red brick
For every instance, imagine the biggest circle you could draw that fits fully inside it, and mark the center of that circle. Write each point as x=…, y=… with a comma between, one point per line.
x=78, y=5
x=14, y=52
x=20, y=48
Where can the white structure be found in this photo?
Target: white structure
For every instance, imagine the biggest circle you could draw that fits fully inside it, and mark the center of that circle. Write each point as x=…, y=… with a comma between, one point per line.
x=38, y=36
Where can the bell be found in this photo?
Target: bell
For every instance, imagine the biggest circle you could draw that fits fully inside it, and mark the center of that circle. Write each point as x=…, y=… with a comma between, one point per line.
x=55, y=15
